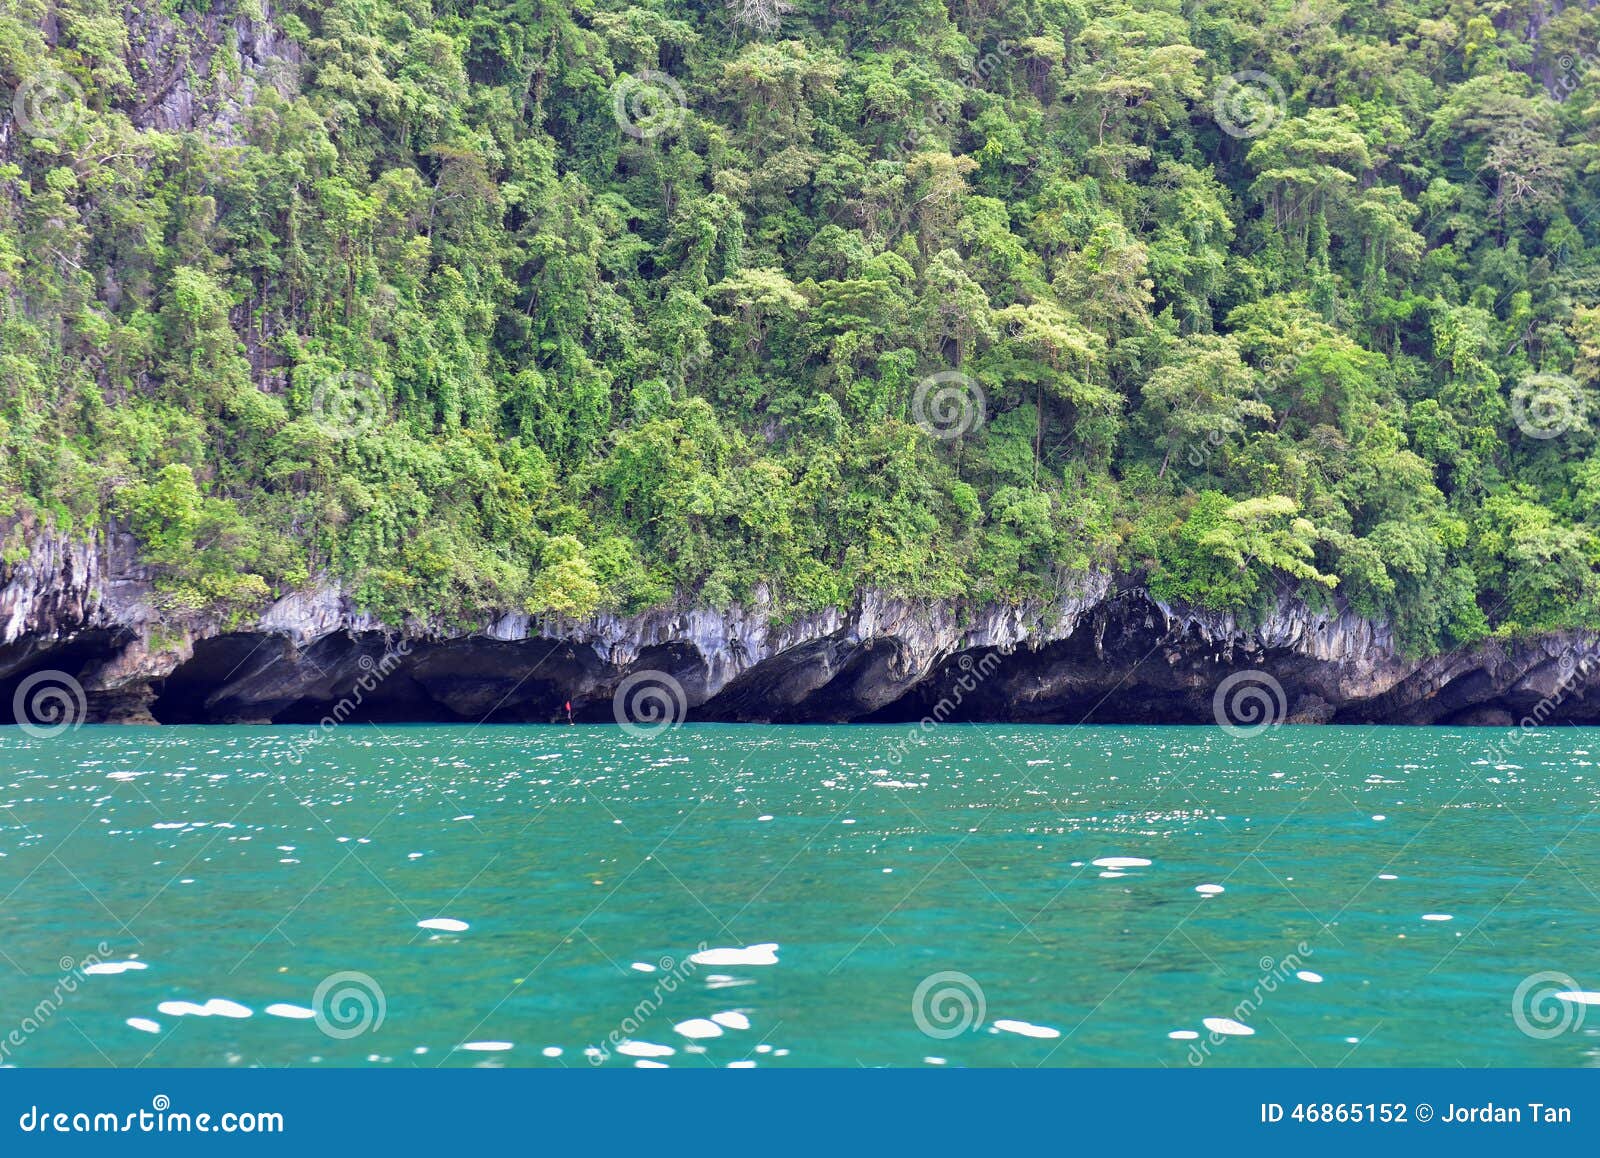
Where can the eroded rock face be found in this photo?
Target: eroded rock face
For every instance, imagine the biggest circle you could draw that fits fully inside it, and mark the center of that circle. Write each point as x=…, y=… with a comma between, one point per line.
x=238, y=52
x=1098, y=652
x=81, y=607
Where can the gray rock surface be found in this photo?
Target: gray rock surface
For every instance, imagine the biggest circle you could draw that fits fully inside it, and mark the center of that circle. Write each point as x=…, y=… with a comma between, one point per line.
x=1098, y=651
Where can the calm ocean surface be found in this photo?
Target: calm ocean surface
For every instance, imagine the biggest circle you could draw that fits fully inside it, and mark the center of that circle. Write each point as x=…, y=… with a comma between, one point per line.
x=799, y=896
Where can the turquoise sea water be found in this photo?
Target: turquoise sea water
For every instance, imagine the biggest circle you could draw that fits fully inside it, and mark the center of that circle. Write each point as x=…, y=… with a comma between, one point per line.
x=862, y=898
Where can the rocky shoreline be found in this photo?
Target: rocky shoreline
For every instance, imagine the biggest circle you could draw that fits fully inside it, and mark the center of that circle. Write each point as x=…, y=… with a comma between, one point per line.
x=81, y=611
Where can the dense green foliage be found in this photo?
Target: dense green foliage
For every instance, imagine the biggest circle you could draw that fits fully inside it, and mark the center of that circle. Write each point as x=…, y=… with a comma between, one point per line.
x=451, y=298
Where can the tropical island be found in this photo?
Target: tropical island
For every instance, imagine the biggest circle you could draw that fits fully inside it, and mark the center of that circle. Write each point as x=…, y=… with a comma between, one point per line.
x=573, y=339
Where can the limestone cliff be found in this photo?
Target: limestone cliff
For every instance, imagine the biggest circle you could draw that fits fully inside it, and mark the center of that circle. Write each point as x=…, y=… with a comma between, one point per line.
x=1101, y=651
